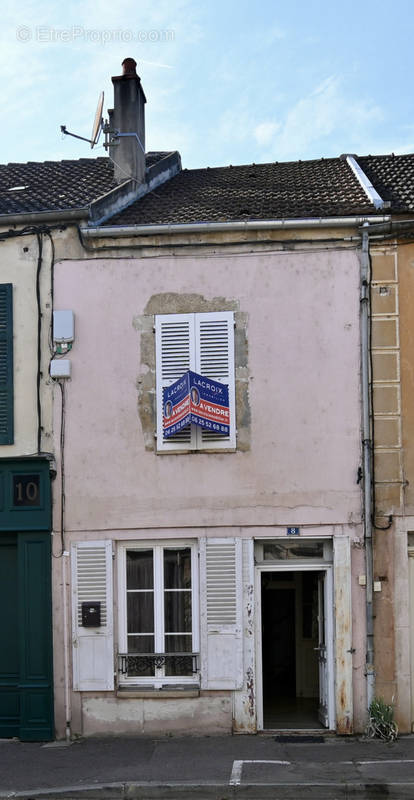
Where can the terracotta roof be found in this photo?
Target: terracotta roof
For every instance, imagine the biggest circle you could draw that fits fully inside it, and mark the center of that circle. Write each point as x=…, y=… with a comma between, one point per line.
x=393, y=178
x=320, y=188
x=56, y=185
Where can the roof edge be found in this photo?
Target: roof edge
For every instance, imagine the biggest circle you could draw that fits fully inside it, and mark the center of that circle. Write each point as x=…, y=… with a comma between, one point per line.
x=120, y=197
x=68, y=215
x=366, y=184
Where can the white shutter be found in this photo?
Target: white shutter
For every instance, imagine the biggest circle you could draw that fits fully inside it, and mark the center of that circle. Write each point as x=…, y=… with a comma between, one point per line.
x=215, y=359
x=221, y=613
x=175, y=354
x=204, y=343
x=93, y=648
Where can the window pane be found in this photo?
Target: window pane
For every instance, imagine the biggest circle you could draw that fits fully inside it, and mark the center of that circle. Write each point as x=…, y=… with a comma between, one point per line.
x=140, y=644
x=178, y=666
x=140, y=612
x=177, y=568
x=177, y=612
x=178, y=644
x=140, y=572
x=292, y=549
x=140, y=666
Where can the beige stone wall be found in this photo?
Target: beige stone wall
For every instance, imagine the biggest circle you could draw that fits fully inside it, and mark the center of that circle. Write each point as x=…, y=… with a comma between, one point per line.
x=392, y=293
x=406, y=280
x=386, y=382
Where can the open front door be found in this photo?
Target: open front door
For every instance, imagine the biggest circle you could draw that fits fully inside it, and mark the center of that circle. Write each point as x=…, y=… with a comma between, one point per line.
x=323, y=711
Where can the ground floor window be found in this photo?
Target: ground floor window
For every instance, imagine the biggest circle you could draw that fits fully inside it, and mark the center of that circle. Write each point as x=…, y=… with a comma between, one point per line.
x=158, y=630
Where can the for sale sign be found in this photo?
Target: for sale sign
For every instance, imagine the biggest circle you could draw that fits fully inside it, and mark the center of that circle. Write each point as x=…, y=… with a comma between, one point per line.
x=195, y=399
x=176, y=406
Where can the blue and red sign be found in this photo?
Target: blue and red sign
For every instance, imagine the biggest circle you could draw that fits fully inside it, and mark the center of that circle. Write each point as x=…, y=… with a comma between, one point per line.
x=197, y=400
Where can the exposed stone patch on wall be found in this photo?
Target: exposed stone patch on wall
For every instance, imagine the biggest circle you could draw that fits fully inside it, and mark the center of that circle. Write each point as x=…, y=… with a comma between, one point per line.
x=175, y=303
x=172, y=303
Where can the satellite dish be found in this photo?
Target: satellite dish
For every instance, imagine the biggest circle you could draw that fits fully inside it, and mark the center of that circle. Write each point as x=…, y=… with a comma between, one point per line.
x=97, y=123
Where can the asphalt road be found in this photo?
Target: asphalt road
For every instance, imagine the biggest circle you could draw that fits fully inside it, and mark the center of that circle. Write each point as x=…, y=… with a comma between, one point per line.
x=214, y=768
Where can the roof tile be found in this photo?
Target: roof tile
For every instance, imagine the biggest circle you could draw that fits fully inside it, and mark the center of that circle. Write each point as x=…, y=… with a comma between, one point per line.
x=393, y=178
x=56, y=185
x=320, y=188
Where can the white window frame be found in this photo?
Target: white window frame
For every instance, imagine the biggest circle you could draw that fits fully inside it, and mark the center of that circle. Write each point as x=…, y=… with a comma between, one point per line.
x=158, y=680
x=198, y=440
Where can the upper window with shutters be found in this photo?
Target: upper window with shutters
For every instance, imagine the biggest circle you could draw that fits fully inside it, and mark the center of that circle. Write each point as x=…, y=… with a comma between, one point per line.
x=203, y=343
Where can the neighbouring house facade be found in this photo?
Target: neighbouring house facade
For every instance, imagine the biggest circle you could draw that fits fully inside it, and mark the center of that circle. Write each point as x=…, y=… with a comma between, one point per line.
x=26, y=470
x=219, y=579
x=391, y=278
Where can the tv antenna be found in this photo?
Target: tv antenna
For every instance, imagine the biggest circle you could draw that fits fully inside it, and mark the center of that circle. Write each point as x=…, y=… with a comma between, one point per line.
x=98, y=126
x=112, y=137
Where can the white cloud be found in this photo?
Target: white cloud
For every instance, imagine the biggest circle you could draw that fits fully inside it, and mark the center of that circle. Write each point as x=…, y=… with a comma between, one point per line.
x=265, y=132
x=273, y=34
x=326, y=114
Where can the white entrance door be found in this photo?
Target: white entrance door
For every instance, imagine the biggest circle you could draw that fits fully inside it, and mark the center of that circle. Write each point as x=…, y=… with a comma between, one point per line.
x=325, y=643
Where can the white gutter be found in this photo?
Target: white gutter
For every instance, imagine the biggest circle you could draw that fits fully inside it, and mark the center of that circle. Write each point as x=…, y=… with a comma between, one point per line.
x=26, y=218
x=216, y=227
x=366, y=184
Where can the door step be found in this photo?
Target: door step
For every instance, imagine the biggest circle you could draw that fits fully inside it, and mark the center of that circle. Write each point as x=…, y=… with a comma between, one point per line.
x=300, y=738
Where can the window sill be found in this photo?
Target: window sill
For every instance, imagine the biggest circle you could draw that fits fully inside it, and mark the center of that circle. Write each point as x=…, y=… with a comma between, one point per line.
x=126, y=692
x=196, y=451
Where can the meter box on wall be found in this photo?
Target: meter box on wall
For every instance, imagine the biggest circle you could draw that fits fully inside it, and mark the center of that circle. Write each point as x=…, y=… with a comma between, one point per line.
x=63, y=326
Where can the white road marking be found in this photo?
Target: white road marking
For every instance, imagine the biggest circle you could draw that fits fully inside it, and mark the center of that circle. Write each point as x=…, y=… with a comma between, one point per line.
x=388, y=761
x=236, y=772
x=235, y=777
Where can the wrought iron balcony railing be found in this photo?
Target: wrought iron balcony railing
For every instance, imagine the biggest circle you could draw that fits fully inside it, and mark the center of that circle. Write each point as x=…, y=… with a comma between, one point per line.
x=144, y=664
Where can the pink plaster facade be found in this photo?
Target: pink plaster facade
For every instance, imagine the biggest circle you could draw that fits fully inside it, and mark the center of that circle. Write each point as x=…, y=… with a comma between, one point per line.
x=298, y=465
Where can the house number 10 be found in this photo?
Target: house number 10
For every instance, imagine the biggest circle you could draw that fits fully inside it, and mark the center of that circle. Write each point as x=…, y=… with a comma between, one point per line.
x=26, y=490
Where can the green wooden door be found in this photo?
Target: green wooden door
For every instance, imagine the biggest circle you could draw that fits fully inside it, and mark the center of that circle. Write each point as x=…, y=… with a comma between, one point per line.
x=9, y=651
x=26, y=690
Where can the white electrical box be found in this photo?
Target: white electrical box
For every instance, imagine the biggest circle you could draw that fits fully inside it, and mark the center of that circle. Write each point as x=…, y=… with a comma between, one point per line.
x=63, y=326
x=60, y=368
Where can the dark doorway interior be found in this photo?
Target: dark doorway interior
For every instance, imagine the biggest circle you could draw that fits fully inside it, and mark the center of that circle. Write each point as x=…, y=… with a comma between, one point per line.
x=289, y=657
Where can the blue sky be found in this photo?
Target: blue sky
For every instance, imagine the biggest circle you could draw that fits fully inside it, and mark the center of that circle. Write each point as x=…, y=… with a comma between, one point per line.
x=227, y=82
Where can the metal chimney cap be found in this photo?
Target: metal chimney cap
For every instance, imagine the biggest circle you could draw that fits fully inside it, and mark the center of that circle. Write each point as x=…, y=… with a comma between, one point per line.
x=129, y=66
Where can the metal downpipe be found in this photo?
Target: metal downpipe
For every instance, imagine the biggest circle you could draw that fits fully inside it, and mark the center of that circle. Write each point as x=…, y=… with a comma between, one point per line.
x=367, y=445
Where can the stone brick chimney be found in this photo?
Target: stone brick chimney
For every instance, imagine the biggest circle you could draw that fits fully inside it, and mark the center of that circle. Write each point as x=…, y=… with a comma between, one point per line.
x=128, y=117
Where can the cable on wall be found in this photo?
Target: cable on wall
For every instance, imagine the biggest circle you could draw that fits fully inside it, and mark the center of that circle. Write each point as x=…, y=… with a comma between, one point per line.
x=61, y=385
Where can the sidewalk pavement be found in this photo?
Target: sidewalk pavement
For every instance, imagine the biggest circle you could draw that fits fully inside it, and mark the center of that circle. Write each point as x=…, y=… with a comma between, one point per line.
x=208, y=768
